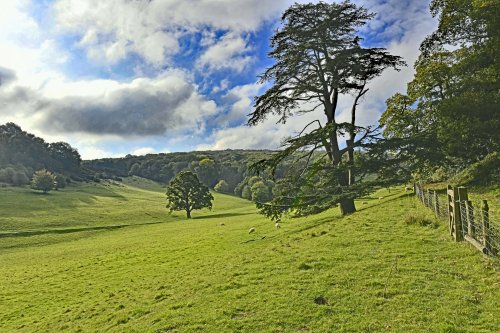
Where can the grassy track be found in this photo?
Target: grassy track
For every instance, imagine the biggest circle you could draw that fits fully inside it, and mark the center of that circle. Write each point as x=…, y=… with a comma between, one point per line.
x=370, y=271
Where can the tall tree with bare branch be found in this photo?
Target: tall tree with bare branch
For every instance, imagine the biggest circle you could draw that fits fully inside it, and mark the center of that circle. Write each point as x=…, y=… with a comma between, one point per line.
x=319, y=60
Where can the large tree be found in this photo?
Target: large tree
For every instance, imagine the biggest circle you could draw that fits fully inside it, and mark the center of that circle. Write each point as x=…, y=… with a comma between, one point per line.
x=453, y=99
x=186, y=192
x=319, y=60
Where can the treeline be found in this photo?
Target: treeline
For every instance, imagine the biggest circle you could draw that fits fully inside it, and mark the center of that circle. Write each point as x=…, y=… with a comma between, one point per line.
x=22, y=153
x=227, y=171
x=448, y=121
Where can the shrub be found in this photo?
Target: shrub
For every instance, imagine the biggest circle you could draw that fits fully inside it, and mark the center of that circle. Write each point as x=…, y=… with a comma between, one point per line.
x=420, y=219
x=221, y=186
x=20, y=178
x=43, y=180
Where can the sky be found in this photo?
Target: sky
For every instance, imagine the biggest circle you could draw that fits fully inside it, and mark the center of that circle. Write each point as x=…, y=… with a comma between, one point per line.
x=120, y=77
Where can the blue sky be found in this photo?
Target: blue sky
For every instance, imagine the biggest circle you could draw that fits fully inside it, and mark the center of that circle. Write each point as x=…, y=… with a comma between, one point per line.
x=117, y=77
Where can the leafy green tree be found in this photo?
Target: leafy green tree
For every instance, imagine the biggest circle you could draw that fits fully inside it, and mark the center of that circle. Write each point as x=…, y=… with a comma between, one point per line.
x=260, y=192
x=186, y=192
x=207, y=172
x=43, y=180
x=318, y=59
x=60, y=181
x=246, y=192
x=20, y=178
x=222, y=186
x=452, y=102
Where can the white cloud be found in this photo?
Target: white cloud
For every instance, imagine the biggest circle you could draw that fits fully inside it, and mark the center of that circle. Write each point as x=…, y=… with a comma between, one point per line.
x=112, y=29
x=230, y=52
x=144, y=151
x=92, y=153
x=240, y=99
x=143, y=107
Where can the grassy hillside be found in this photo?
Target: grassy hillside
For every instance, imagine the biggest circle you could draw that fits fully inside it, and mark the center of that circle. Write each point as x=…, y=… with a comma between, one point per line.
x=369, y=272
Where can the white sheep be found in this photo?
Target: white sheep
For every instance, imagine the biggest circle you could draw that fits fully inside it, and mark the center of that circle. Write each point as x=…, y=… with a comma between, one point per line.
x=277, y=225
x=252, y=230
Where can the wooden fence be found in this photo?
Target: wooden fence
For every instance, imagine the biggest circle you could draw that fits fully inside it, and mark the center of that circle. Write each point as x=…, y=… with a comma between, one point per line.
x=465, y=222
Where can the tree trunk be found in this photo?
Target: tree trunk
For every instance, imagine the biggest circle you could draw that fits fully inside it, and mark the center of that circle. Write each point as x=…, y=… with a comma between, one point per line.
x=350, y=160
x=188, y=213
x=347, y=206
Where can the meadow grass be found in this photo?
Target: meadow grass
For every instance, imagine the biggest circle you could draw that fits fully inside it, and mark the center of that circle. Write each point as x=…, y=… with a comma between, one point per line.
x=367, y=272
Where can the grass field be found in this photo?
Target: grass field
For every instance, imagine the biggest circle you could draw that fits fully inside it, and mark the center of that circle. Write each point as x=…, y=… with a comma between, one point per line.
x=106, y=257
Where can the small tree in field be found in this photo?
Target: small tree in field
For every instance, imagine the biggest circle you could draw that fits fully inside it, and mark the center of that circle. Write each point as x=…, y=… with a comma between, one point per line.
x=222, y=186
x=43, y=180
x=186, y=192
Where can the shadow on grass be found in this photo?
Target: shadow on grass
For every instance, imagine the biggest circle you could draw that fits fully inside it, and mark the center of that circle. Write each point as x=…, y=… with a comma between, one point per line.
x=407, y=195
x=75, y=195
x=220, y=215
x=333, y=218
x=70, y=230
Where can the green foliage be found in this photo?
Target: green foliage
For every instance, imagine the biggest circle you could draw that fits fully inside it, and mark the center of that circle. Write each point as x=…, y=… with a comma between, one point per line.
x=60, y=181
x=222, y=186
x=452, y=102
x=207, y=172
x=232, y=165
x=260, y=192
x=15, y=175
x=186, y=192
x=43, y=180
x=484, y=172
x=246, y=193
x=25, y=152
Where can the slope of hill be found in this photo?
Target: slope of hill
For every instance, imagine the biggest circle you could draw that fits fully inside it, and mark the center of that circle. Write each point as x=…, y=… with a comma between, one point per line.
x=369, y=272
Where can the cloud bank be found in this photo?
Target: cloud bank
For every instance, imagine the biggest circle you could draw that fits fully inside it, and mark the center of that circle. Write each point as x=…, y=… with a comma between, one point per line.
x=118, y=76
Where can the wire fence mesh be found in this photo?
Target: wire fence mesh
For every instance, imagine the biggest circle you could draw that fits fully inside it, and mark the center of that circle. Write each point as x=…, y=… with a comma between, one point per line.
x=473, y=223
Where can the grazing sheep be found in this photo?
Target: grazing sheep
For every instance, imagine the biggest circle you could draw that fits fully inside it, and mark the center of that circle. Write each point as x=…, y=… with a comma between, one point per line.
x=251, y=230
x=380, y=198
x=408, y=189
x=222, y=224
x=277, y=225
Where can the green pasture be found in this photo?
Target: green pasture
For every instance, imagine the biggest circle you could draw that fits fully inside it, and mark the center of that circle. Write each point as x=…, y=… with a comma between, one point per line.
x=107, y=257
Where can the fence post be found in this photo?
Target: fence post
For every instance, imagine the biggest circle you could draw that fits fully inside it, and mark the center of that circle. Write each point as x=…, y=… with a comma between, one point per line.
x=462, y=196
x=428, y=197
x=436, y=204
x=486, y=227
x=453, y=213
x=454, y=222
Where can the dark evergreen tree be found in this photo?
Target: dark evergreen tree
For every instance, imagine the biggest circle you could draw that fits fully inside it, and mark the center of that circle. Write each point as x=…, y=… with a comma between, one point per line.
x=318, y=58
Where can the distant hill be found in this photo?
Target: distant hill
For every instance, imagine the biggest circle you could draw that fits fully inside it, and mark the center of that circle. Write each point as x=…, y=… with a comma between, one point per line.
x=212, y=167
x=22, y=153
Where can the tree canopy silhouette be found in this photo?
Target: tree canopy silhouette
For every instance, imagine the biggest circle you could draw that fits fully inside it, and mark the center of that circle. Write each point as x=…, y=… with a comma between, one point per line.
x=319, y=60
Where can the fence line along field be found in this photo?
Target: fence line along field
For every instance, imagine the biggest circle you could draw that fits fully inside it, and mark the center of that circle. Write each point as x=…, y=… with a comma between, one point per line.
x=109, y=258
